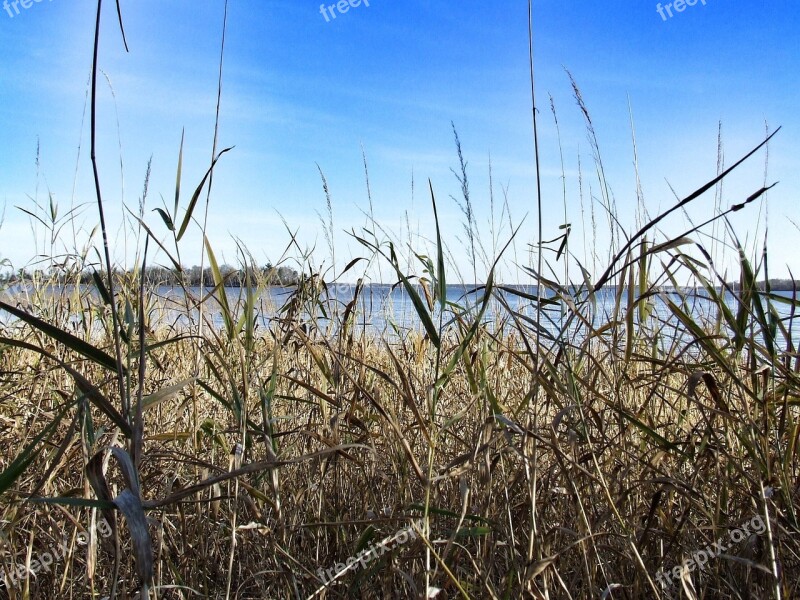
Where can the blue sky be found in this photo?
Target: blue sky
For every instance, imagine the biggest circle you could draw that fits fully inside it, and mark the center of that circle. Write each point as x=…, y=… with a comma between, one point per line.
x=301, y=91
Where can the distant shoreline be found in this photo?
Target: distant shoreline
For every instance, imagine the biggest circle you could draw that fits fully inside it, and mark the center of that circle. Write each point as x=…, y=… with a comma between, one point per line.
x=775, y=285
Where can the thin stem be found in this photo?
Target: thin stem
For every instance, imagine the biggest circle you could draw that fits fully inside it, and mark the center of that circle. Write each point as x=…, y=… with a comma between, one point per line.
x=537, y=365
x=107, y=254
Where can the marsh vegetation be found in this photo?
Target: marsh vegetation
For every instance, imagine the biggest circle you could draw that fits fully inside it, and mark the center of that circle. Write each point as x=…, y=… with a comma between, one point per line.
x=574, y=438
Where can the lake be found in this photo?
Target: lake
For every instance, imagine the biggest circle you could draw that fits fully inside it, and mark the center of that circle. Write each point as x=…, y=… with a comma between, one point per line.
x=388, y=310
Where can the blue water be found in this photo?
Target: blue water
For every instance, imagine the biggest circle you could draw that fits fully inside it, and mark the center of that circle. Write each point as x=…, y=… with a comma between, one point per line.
x=389, y=311
x=384, y=310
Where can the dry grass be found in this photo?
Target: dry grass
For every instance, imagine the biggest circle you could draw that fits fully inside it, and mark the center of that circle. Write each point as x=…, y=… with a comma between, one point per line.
x=558, y=469
x=238, y=461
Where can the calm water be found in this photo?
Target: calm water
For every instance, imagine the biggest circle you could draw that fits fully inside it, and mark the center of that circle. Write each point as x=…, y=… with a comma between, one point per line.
x=387, y=310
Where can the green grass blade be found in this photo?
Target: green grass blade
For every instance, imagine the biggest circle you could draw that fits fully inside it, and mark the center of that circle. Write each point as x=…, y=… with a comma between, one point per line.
x=416, y=300
x=70, y=341
x=441, y=281
x=196, y=196
x=178, y=177
x=219, y=285
x=30, y=452
x=78, y=502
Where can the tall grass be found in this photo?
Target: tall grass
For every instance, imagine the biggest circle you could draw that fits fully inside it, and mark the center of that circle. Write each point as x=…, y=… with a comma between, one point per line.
x=544, y=448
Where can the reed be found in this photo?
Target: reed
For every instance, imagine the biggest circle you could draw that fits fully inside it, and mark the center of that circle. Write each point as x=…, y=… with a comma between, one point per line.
x=577, y=439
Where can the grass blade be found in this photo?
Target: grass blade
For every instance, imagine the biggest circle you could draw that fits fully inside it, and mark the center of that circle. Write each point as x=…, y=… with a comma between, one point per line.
x=70, y=341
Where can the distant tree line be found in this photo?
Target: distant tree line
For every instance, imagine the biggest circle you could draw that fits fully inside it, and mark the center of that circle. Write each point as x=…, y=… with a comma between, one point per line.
x=776, y=285
x=157, y=275
x=268, y=274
